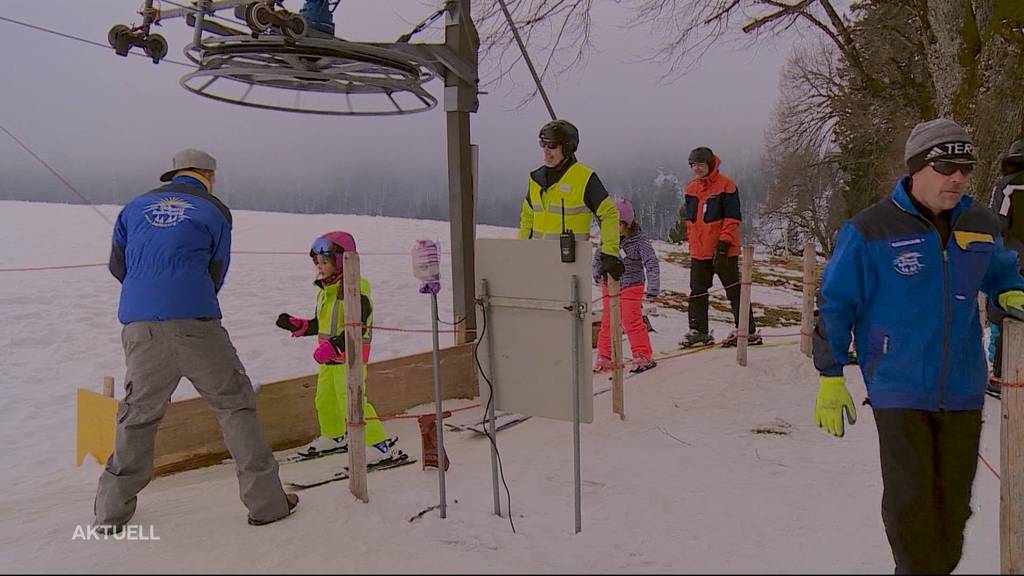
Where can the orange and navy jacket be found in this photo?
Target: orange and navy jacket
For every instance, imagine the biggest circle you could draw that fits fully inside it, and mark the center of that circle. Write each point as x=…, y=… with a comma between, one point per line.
x=712, y=214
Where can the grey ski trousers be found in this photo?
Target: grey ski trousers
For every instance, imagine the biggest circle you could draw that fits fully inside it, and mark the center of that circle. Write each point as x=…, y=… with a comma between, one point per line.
x=157, y=355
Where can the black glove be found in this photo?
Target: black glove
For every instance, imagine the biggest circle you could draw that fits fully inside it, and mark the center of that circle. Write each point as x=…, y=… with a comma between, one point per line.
x=338, y=342
x=721, y=253
x=297, y=326
x=284, y=321
x=612, y=266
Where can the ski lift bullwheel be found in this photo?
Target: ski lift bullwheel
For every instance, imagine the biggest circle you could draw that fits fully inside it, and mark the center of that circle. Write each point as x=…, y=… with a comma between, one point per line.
x=333, y=77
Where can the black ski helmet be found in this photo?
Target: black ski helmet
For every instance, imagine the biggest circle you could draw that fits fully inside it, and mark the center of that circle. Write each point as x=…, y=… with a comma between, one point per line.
x=561, y=132
x=1014, y=159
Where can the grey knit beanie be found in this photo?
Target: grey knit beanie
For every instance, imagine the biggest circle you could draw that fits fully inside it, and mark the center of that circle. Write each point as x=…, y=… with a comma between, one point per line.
x=938, y=139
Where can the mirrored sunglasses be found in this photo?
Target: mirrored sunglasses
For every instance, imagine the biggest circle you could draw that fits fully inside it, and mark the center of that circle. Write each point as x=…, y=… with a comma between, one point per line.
x=947, y=168
x=549, y=145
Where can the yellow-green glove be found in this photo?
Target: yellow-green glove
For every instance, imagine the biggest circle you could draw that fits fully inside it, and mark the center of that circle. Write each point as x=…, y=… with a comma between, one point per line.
x=832, y=399
x=1013, y=302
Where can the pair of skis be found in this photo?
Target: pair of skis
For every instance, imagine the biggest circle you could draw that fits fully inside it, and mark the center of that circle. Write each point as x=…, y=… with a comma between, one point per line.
x=305, y=456
x=400, y=459
x=501, y=421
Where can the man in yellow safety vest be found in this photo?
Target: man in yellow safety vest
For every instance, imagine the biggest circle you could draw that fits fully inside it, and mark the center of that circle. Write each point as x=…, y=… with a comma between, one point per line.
x=565, y=195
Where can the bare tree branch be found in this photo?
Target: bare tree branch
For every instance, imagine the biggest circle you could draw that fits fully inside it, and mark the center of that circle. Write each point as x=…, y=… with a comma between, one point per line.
x=785, y=10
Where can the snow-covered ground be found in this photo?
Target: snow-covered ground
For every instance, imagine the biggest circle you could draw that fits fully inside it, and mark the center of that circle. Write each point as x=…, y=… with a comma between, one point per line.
x=717, y=468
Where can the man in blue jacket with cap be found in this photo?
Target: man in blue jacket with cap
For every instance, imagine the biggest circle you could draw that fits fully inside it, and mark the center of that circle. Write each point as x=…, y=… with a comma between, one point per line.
x=904, y=280
x=170, y=251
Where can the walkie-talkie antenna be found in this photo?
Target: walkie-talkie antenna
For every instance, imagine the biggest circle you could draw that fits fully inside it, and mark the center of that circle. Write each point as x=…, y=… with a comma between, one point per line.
x=563, y=215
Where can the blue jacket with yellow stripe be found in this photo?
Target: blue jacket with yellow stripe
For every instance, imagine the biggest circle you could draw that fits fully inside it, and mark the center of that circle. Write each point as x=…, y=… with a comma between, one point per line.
x=911, y=303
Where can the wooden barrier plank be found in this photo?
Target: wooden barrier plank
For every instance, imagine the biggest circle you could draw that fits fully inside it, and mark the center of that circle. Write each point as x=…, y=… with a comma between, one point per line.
x=190, y=437
x=95, y=415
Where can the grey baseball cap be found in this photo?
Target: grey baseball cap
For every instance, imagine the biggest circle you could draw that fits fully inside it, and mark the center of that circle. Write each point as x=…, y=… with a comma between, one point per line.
x=938, y=139
x=189, y=158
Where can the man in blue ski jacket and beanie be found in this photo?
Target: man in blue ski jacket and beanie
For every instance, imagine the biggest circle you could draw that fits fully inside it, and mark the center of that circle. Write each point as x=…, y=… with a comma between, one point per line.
x=904, y=280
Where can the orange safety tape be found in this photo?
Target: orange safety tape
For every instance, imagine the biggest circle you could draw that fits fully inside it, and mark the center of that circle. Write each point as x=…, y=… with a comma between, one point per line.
x=989, y=466
x=64, y=267
x=278, y=253
x=1006, y=384
x=448, y=411
x=416, y=416
x=234, y=252
x=428, y=330
x=685, y=297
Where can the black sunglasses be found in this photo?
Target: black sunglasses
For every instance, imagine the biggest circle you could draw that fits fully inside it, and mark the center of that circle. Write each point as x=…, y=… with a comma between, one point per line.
x=549, y=145
x=947, y=168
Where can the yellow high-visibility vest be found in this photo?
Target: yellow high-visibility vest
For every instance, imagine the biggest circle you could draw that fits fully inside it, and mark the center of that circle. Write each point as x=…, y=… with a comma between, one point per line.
x=330, y=314
x=541, y=213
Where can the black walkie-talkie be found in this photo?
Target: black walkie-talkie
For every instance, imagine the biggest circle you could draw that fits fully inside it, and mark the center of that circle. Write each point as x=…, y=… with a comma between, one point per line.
x=567, y=241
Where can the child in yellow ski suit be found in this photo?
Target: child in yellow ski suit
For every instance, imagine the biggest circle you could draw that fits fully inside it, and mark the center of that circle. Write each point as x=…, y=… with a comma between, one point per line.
x=328, y=326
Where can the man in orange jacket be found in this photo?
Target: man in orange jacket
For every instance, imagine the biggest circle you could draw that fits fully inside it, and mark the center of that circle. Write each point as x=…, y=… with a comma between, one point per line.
x=713, y=230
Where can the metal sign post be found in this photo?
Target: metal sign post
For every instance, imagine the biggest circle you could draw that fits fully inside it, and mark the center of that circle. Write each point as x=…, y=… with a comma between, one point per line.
x=576, y=318
x=426, y=267
x=437, y=407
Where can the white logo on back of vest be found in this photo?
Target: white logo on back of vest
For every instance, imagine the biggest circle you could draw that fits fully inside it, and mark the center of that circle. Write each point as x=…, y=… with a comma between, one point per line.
x=167, y=212
x=563, y=188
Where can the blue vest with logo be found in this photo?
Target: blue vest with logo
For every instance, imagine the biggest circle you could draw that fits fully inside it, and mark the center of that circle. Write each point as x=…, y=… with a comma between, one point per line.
x=171, y=252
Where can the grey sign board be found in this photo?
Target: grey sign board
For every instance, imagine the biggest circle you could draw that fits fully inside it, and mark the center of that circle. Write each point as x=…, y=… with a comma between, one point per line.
x=529, y=327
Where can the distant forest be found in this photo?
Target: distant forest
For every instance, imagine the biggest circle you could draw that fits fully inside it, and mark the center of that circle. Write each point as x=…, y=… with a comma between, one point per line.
x=654, y=191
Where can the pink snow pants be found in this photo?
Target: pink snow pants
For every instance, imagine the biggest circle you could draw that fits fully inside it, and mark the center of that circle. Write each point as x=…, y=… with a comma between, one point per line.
x=631, y=307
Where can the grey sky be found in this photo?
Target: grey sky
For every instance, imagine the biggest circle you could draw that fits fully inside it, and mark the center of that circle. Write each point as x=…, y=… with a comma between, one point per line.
x=89, y=112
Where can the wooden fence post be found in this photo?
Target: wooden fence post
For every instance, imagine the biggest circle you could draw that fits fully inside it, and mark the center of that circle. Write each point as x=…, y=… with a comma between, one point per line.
x=356, y=426
x=810, y=286
x=615, y=318
x=1011, y=436
x=746, y=277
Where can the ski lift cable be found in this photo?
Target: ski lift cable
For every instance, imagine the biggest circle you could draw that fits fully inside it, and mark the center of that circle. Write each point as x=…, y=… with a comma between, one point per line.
x=526, y=57
x=80, y=39
x=423, y=24
x=55, y=173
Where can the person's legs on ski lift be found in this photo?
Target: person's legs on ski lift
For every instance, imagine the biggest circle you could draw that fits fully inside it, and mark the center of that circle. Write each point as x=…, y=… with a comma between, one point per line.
x=317, y=14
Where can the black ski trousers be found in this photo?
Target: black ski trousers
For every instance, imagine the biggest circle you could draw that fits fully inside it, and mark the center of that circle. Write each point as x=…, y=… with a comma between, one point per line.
x=702, y=274
x=928, y=464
